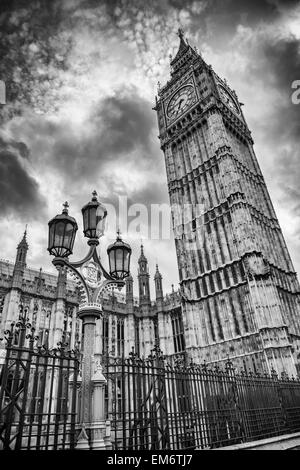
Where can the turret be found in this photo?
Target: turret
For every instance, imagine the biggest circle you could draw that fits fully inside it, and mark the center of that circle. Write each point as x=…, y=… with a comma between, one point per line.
x=20, y=262
x=158, y=285
x=143, y=278
x=129, y=294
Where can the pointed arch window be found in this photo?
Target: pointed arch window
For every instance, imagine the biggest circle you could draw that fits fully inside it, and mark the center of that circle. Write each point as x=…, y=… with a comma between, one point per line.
x=120, y=336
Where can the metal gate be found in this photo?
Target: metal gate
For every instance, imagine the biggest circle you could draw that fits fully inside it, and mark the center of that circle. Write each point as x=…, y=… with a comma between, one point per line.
x=136, y=402
x=38, y=393
x=154, y=404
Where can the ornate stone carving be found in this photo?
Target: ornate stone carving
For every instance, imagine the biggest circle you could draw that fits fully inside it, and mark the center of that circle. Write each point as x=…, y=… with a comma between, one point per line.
x=256, y=265
x=92, y=274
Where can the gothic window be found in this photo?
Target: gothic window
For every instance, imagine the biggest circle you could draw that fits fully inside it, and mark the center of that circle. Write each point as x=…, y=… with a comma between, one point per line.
x=177, y=328
x=137, y=337
x=183, y=394
x=42, y=319
x=236, y=324
x=119, y=398
x=254, y=365
x=211, y=283
x=45, y=341
x=211, y=322
x=44, y=325
x=214, y=256
x=16, y=338
x=220, y=329
x=204, y=328
x=226, y=278
x=242, y=269
x=219, y=280
x=204, y=286
x=197, y=289
x=224, y=311
x=234, y=275
x=105, y=335
x=2, y=299
x=120, y=337
x=68, y=323
x=156, y=338
x=35, y=313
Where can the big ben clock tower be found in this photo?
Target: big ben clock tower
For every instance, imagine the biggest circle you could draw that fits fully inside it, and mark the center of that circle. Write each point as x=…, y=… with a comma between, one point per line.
x=240, y=293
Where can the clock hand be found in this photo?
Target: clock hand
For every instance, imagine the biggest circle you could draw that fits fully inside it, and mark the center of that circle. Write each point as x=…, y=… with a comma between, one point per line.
x=179, y=105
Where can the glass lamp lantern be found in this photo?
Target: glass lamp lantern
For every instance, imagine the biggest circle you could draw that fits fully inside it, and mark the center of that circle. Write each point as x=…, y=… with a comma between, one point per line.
x=62, y=232
x=94, y=217
x=119, y=254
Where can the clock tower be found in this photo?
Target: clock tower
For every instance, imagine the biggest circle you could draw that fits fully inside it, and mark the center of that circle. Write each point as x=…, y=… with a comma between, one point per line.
x=240, y=293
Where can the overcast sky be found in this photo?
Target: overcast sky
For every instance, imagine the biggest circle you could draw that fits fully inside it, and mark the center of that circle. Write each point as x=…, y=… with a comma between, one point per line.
x=81, y=79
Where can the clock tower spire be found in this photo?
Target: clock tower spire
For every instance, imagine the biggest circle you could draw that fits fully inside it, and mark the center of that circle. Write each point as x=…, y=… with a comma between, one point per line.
x=239, y=288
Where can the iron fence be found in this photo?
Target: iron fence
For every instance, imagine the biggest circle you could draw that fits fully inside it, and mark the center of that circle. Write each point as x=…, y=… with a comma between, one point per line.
x=153, y=404
x=38, y=393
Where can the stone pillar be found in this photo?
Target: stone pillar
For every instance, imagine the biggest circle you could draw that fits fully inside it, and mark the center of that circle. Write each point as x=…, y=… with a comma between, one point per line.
x=13, y=308
x=129, y=334
x=98, y=424
x=88, y=317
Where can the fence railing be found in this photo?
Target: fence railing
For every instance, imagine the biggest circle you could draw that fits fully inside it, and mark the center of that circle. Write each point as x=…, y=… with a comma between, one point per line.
x=153, y=404
x=38, y=393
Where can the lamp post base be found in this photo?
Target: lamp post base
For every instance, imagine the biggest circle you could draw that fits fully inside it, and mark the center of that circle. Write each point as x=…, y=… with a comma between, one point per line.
x=83, y=440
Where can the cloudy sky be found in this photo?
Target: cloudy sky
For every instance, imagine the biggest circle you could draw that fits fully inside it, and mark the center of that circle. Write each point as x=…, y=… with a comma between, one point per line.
x=81, y=78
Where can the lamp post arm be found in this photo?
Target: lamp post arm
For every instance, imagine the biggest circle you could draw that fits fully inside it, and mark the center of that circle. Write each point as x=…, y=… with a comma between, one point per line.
x=98, y=261
x=92, y=254
x=84, y=292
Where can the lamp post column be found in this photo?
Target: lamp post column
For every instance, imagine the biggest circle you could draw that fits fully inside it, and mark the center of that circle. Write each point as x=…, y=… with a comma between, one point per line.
x=89, y=323
x=88, y=317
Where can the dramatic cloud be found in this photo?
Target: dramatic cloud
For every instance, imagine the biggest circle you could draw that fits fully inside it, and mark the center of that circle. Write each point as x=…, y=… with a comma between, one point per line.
x=19, y=192
x=81, y=78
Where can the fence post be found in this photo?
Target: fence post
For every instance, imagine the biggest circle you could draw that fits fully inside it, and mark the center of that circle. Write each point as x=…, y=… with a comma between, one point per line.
x=99, y=427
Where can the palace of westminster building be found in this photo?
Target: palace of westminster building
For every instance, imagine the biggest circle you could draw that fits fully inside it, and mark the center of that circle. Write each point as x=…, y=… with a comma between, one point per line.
x=239, y=296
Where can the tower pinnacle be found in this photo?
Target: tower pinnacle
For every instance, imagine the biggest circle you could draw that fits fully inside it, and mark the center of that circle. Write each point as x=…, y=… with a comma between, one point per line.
x=180, y=33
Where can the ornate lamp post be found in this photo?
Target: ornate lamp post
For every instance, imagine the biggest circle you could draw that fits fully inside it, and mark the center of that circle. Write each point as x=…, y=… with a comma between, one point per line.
x=93, y=280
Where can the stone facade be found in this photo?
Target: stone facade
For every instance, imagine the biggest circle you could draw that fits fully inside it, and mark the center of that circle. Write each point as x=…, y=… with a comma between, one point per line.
x=128, y=322
x=240, y=290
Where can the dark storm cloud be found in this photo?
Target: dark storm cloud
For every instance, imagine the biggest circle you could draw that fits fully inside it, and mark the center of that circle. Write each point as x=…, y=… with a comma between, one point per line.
x=120, y=128
x=21, y=147
x=283, y=62
x=283, y=56
x=276, y=63
x=31, y=53
x=128, y=122
x=19, y=192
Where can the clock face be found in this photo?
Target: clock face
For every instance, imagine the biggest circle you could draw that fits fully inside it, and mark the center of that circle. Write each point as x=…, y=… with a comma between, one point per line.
x=227, y=98
x=179, y=102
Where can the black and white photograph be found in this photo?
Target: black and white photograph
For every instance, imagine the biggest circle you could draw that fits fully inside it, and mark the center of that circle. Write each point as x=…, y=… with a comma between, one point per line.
x=149, y=228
